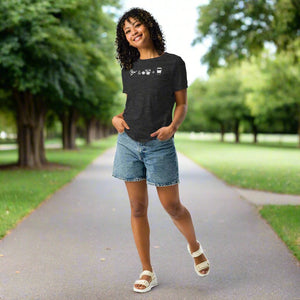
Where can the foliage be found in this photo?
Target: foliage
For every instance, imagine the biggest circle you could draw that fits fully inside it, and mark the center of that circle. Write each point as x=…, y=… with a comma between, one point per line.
x=272, y=86
x=61, y=49
x=239, y=29
x=261, y=93
x=7, y=122
x=56, y=55
x=194, y=120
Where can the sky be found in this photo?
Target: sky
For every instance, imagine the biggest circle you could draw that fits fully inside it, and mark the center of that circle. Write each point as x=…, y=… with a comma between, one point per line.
x=178, y=21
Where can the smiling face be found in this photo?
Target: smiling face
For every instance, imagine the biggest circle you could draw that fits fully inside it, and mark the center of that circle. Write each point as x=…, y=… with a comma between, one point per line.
x=137, y=34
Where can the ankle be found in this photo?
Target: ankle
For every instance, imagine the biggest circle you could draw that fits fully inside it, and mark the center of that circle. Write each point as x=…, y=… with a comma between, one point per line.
x=194, y=246
x=147, y=268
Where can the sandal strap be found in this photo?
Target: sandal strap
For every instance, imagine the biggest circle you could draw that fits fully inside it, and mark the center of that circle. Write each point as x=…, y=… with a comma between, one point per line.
x=147, y=273
x=198, y=252
x=202, y=266
x=142, y=282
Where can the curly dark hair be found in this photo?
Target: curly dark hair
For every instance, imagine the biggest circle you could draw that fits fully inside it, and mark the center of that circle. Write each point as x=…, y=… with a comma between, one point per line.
x=127, y=54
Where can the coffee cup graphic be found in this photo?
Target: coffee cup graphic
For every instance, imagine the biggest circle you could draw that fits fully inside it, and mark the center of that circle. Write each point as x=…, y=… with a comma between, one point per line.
x=158, y=70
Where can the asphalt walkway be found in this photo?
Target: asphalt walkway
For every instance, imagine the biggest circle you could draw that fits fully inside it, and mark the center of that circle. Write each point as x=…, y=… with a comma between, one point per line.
x=265, y=198
x=79, y=245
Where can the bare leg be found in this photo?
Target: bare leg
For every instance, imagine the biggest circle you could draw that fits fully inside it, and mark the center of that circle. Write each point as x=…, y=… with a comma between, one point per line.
x=169, y=197
x=138, y=196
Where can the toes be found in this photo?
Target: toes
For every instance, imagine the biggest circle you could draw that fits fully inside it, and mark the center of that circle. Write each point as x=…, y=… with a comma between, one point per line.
x=140, y=287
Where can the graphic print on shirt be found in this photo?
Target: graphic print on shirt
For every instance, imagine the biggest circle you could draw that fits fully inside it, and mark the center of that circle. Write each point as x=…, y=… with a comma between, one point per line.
x=156, y=71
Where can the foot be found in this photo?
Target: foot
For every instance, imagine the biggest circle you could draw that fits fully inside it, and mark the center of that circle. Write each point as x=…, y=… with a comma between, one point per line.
x=146, y=282
x=141, y=286
x=199, y=259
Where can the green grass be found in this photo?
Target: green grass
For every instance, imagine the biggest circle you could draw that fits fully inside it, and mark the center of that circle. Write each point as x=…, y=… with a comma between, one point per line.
x=261, y=167
x=23, y=190
x=270, y=166
x=285, y=220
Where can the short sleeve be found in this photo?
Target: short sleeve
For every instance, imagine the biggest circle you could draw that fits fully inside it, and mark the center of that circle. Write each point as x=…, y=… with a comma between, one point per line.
x=124, y=81
x=179, y=76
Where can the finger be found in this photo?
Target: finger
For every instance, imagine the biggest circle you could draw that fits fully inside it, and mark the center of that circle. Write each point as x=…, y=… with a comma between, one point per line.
x=154, y=133
x=125, y=125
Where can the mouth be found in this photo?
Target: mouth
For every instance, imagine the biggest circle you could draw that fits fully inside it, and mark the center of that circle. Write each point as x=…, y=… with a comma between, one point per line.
x=137, y=38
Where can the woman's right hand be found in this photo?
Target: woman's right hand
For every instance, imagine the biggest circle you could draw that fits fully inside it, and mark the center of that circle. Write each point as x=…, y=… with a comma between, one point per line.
x=119, y=123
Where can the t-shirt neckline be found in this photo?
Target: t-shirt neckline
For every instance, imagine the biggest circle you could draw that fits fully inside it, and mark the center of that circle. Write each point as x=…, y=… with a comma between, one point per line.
x=153, y=58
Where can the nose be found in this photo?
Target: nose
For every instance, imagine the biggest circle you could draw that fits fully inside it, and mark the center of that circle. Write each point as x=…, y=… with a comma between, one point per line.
x=134, y=31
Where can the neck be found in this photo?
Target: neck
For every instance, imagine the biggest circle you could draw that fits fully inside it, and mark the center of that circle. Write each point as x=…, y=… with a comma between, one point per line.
x=146, y=53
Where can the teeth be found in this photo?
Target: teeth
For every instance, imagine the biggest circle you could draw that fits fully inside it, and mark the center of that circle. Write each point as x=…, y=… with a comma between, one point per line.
x=137, y=38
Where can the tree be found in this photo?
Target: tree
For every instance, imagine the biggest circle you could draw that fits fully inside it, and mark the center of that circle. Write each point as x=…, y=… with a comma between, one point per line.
x=239, y=29
x=224, y=101
x=100, y=84
x=45, y=61
x=194, y=120
x=279, y=91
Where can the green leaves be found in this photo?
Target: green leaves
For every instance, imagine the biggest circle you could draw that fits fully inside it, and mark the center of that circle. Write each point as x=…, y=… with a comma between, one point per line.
x=238, y=29
x=60, y=49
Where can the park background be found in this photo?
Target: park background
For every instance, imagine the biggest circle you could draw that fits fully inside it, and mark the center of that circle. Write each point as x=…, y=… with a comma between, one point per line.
x=60, y=86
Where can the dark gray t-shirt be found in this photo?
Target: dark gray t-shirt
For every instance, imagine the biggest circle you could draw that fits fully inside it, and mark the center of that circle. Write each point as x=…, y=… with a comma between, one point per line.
x=150, y=87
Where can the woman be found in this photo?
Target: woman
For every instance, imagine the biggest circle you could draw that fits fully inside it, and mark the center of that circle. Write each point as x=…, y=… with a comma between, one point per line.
x=153, y=81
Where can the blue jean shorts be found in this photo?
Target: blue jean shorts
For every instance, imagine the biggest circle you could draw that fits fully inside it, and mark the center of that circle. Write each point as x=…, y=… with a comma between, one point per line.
x=154, y=161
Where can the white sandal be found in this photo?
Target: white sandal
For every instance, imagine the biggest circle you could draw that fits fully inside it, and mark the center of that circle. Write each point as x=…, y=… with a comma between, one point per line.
x=148, y=285
x=202, y=266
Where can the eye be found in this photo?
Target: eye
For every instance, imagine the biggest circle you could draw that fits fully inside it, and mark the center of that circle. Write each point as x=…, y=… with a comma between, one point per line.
x=127, y=31
x=138, y=25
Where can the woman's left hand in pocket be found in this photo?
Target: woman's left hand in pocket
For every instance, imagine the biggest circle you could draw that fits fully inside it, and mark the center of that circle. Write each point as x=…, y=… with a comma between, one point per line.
x=163, y=133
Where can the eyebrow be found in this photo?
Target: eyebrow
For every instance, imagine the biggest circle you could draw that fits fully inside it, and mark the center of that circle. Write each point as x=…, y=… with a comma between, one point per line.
x=131, y=24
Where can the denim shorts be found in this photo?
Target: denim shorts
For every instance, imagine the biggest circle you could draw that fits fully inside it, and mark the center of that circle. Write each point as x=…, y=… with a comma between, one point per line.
x=154, y=161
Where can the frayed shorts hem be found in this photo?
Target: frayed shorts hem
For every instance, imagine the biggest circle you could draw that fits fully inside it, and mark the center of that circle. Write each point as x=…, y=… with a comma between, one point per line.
x=129, y=180
x=148, y=182
x=163, y=184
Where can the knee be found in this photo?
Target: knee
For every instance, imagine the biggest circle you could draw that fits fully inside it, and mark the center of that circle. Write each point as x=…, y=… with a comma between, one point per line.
x=175, y=210
x=138, y=210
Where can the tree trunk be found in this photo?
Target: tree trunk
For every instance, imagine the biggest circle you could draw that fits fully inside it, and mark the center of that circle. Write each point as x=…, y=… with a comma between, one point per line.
x=106, y=130
x=31, y=114
x=99, y=130
x=254, y=130
x=222, y=131
x=90, y=125
x=69, y=119
x=236, y=131
x=255, y=137
x=299, y=126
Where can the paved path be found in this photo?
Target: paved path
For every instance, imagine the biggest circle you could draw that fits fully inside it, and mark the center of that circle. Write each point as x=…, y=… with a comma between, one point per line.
x=79, y=245
x=264, y=198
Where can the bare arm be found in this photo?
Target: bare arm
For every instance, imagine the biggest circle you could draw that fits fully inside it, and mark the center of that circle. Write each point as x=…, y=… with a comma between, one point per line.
x=165, y=133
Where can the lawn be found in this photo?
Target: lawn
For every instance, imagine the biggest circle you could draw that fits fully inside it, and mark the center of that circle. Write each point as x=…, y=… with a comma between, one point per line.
x=23, y=190
x=285, y=220
x=269, y=166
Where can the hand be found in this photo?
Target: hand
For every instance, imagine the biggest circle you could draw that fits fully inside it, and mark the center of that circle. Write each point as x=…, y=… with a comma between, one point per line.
x=164, y=133
x=119, y=123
